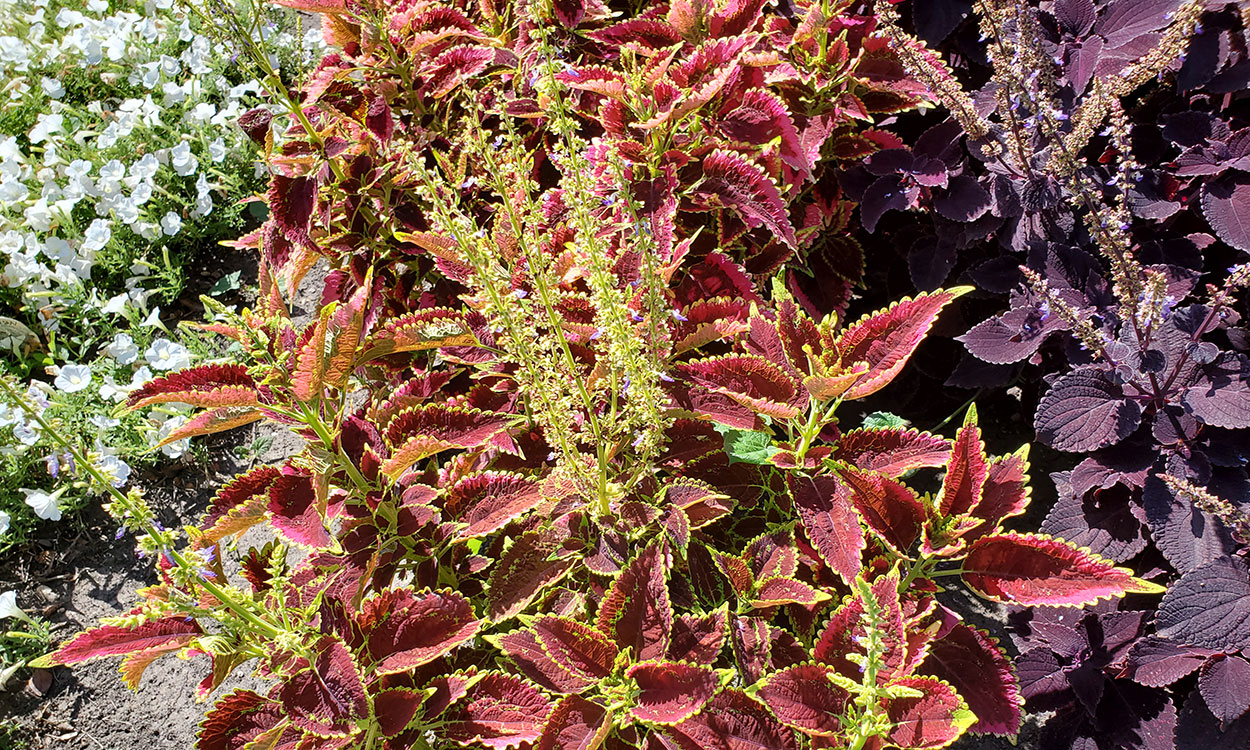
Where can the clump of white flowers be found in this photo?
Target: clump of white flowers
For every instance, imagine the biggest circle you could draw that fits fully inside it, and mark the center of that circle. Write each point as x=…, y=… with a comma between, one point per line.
x=118, y=144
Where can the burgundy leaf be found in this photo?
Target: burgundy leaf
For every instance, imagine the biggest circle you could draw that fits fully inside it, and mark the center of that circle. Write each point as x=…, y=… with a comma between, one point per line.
x=934, y=720
x=698, y=638
x=780, y=590
x=733, y=182
x=967, y=471
x=890, y=509
x=964, y=200
x=575, y=724
x=293, y=509
x=752, y=381
x=422, y=431
x=488, y=501
x=891, y=451
x=1223, y=683
x=114, y=640
x=971, y=661
x=804, y=697
x=239, y=718
x=1157, y=662
x=578, y=648
x=885, y=194
x=670, y=692
x=207, y=386
x=499, y=711
x=329, y=697
x=523, y=648
x=405, y=628
x=1188, y=536
x=1084, y=411
x=395, y=708
x=732, y=721
x=831, y=521
x=522, y=572
x=637, y=612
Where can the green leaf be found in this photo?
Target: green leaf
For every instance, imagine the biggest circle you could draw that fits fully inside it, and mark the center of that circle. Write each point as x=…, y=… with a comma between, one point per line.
x=227, y=283
x=884, y=420
x=747, y=446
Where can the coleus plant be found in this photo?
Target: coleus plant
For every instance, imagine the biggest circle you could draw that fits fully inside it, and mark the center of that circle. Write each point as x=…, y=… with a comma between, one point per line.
x=573, y=477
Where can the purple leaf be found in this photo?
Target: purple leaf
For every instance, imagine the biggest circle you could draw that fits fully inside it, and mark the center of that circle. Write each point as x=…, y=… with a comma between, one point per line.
x=1225, y=686
x=964, y=200
x=883, y=195
x=1011, y=337
x=1084, y=411
x=1226, y=204
x=1157, y=662
x=1188, y=537
x=1101, y=521
x=1127, y=20
x=1222, y=396
x=1075, y=17
x=1198, y=729
x=1209, y=607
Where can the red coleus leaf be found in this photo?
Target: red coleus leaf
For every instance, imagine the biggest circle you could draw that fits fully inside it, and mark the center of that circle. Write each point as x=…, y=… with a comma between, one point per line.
x=499, y=711
x=418, y=331
x=891, y=451
x=844, y=633
x=736, y=570
x=422, y=431
x=698, y=638
x=213, y=421
x=973, y=663
x=521, y=572
x=488, y=501
x=114, y=640
x=395, y=708
x=701, y=502
x=328, y=697
x=523, y=648
x=806, y=698
x=934, y=720
x=966, y=472
x=732, y=721
x=772, y=554
x=759, y=117
x=576, y=647
x=749, y=380
x=886, y=339
x=1031, y=569
x=731, y=181
x=670, y=691
x=293, y=509
x=454, y=67
x=831, y=521
x=207, y=386
x=239, y=490
x=575, y=724
x=889, y=508
x=405, y=629
x=780, y=590
x=291, y=202
x=1005, y=493
x=636, y=611
x=710, y=320
x=239, y=718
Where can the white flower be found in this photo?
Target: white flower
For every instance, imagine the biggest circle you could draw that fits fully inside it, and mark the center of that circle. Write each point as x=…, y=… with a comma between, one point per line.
x=164, y=354
x=101, y=421
x=45, y=126
x=52, y=87
x=46, y=506
x=217, y=150
x=39, y=216
x=145, y=168
x=5, y=520
x=140, y=378
x=115, y=305
x=26, y=433
x=153, y=320
x=73, y=378
x=114, y=469
x=97, y=235
x=178, y=447
x=182, y=160
x=123, y=349
x=171, y=224
x=8, y=606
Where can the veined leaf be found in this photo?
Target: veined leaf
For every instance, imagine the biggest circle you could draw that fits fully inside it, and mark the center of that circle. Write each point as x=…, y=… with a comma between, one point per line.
x=207, y=386
x=670, y=691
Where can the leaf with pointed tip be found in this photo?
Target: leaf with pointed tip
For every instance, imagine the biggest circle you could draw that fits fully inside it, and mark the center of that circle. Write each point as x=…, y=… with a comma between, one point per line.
x=887, y=338
x=1032, y=569
x=845, y=632
x=293, y=509
x=890, y=509
x=522, y=572
x=831, y=522
x=892, y=451
x=1209, y=607
x=971, y=661
x=575, y=646
x=239, y=490
x=575, y=724
x=1157, y=662
x=732, y=721
x=499, y=711
x=422, y=431
x=114, y=640
x=778, y=590
x=731, y=181
x=418, y=331
x=1004, y=494
x=1226, y=204
x=759, y=117
x=935, y=719
x=804, y=697
x=1222, y=396
x=699, y=638
x=488, y=501
x=455, y=66
x=701, y=502
x=523, y=648
x=701, y=77
x=772, y=554
x=308, y=377
x=1084, y=411
x=752, y=381
x=239, y=718
x=328, y=698
x=636, y=611
x=710, y=320
x=213, y=421
x=966, y=472
x=395, y=708
x=670, y=691
x=206, y=386
x=404, y=628
x=1223, y=684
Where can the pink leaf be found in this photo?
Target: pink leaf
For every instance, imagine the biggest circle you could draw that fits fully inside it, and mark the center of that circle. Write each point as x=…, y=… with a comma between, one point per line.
x=891, y=451
x=405, y=629
x=966, y=472
x=293, y=509
x=832, y=524
x=329, y=697
x=804, y=697
x=500, y=711
x=670, y=692
x=114, y=640
x=733, y=182
x=636, y=611
x=488, y=501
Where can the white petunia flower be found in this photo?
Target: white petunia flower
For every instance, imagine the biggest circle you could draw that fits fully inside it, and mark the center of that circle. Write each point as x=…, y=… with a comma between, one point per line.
x=73, y=378
x=8, y=603
x=164, y=354
x=116, y=305
x=123, y=349
x=39, y=216
x=97, y=235
x=217, y=150
x=46, y=505
x=171, y=224
x=178, y=447
x=100, y=420
x=5, y=521
x=114, y=469
x=140, y=378
x=45, y=126
x=182, y=160
x=52, y=87
x=153, y=320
